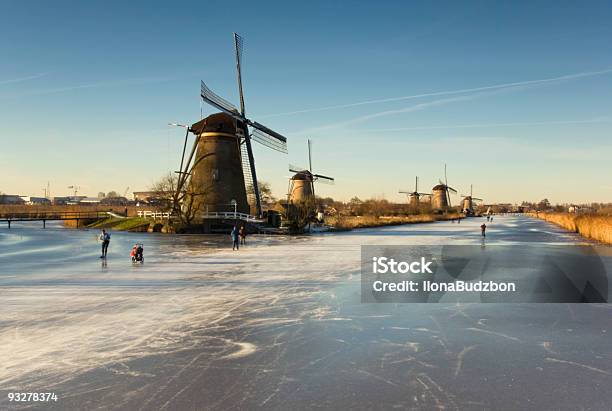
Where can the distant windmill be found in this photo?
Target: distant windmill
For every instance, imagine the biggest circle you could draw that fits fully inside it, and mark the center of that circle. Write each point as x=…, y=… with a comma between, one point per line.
x=414, y=195
x=301, y=184
x=441, y=194
x=224, y=165
x=467, y=205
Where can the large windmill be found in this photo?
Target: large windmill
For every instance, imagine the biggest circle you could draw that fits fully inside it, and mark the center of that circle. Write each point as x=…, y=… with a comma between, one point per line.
x=441, y=199
x=223, y=175
x=301, y=184
x=414, y=195
x=467, y=205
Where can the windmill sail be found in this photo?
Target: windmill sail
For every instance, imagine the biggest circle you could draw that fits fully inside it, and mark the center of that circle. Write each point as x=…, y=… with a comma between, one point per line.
x=267, y=130
x=296, y=169
x=269, y=141
x=217, y=101
x=238, y=45
x=248, y=178
x=323, y=179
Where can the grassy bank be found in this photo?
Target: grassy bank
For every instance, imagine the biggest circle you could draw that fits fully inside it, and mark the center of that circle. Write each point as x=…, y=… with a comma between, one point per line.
x=122, y=224
x=592, y=226
x=352, y=222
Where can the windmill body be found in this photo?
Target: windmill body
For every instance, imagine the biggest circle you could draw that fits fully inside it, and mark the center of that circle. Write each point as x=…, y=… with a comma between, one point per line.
x=301, y=187
x=467, y=204
x=301, y=184
x=217, y=176
x=440, y=200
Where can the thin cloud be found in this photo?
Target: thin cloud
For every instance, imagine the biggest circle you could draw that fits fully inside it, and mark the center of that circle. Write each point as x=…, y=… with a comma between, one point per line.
x=101, y=84
x=450, y=92
x=486, y=125
x=20, y=79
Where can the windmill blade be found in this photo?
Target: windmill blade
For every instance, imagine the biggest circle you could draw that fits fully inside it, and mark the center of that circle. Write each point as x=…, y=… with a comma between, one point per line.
x=424, y=194
x=404, y=192
x=445, y=178
x=323, y=177
x=310, y=155
x=218, y=102
x=441, y=182
x=269, y=141
x=238, y=45
x=267, y=130
x=451, y=189
x=477, y=199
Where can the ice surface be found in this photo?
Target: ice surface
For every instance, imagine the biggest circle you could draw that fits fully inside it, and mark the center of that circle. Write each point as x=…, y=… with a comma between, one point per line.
x=279, y=324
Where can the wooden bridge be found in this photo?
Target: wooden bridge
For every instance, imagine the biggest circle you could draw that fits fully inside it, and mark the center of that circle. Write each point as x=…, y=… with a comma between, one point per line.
x=45, y=216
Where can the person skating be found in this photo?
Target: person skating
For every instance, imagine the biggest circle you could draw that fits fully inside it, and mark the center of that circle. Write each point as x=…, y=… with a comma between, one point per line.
x=105, y=238
x=483, y=228
x=235, y=241
x=242, y=233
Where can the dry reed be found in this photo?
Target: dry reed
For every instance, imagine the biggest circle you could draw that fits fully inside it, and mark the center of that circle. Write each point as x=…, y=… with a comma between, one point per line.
x=352, y=222
x=592, y=226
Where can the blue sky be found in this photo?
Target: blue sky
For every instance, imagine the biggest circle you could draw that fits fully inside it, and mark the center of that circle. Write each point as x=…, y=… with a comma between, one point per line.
x=513, y=96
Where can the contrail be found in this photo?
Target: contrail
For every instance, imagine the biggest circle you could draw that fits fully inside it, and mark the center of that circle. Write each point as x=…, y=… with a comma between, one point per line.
x=416, y=107
x=20, y=79
x=449, y=92
x=485, y=125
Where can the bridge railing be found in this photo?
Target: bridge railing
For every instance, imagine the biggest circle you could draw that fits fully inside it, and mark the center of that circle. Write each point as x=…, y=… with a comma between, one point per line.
x=52, y=215
x=230, y=215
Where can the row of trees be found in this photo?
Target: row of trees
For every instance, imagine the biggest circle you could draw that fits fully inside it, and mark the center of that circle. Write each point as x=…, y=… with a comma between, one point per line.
x=184, y=202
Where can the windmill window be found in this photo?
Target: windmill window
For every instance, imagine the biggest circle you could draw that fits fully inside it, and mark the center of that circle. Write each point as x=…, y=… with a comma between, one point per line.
x=215, y=174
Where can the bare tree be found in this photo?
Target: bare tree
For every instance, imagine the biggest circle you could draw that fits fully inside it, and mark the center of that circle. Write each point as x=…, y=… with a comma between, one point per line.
x=181, y=203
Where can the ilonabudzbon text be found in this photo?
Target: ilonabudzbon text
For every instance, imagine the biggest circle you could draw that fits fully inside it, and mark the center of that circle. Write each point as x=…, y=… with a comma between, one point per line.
x=454, y=286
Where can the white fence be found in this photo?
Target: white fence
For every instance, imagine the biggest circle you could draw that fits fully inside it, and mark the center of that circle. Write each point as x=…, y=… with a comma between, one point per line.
x=231, y=215
x=154, y=215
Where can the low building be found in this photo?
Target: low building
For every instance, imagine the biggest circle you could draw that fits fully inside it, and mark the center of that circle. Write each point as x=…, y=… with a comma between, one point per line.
x=36, y=200
x=11, y=199
x=74, y=200
x=60, y=200
x=122, y=201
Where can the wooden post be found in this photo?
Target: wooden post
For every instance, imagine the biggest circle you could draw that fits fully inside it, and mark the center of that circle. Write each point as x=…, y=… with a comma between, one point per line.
x=9, y=223
x=44, y=224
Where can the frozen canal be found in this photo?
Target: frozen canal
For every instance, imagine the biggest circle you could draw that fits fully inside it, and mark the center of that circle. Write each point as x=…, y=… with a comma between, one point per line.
x=280, y=325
